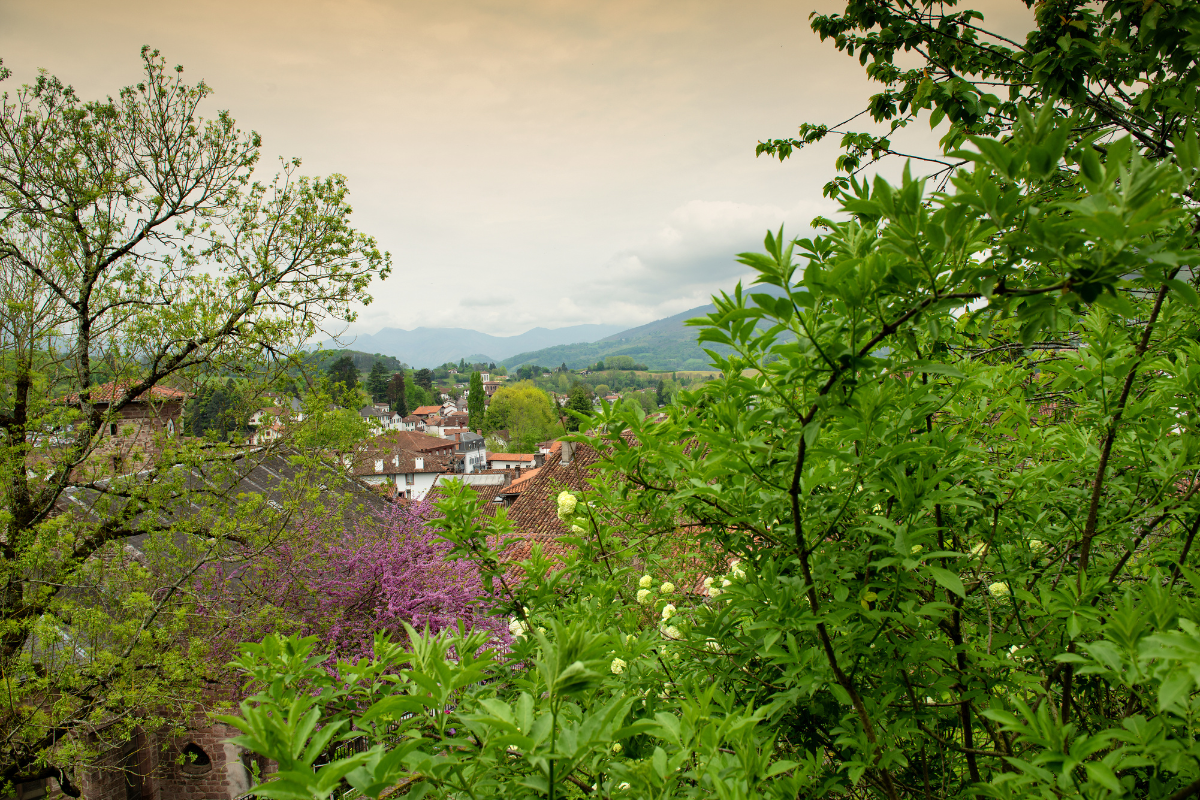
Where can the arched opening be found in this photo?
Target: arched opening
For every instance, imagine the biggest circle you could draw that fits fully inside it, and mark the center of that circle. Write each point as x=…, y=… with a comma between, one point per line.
x=195, y=760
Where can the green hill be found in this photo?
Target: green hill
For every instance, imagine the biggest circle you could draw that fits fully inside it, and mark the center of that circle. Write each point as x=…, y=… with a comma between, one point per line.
x=321, y=359
x=660, y=345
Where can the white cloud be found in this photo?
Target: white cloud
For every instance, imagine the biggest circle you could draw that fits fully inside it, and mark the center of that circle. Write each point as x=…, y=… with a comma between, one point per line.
x=691, y=255
x=486, y=300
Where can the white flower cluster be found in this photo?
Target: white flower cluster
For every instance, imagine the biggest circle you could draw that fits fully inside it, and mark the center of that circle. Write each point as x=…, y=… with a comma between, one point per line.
x=645, y=581
x=998, y=589
x=516, y=628
x=736, y=573
x=617, y=666
x=566, y=504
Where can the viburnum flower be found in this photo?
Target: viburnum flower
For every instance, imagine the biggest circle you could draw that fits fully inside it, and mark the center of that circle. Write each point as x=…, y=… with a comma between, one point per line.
x=643, y=596
x=645, y=581
x=671, y=632
x=978, y=549
x=916, y=548
x=668, y=611
x=1037, y=545
x=713, y=591
x=998, y=589
x=708, y=582
x=667, y=588
x=566, y=504
x=712, y=644
x=616, y=748
x=576, y=529
x=735, y=569
x=516, y=628
x=617, y=666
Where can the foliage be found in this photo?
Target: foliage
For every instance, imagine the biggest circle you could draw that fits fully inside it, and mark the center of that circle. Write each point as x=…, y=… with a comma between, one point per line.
x=476, y=402
x=1121, y=67
x=397, y=395
x=424, y=379
x=344, y=586
x=377, y=383
x=529, y=372
x=579, y=406
x=344, y=373
x=218, y=410
x=138, y=251
x=526, y=412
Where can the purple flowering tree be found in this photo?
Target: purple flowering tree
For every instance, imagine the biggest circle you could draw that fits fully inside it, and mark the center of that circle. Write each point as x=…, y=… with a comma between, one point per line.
x=346, y=587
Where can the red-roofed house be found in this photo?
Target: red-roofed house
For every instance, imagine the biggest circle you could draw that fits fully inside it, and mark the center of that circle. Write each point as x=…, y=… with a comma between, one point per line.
x=155, y=410
x=511, y=460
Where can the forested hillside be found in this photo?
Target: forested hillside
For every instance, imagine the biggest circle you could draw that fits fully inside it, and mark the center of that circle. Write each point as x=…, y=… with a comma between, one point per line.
x=662, y=344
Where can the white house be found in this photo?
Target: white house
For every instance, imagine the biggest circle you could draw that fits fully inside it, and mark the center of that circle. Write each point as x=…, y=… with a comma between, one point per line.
x=510, y=460
x=409, y=475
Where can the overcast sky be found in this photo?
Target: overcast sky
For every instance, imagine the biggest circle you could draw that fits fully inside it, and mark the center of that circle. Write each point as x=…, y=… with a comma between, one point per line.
x=526, y=163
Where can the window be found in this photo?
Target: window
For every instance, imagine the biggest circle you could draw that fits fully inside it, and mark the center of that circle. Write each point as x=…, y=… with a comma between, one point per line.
x=195, y=760
x=112, y=428
x=410, y=479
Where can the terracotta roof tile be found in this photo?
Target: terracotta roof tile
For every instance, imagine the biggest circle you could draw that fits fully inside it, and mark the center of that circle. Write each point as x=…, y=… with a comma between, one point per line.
x=509, y=457
x=108, y=392
x=426, y=410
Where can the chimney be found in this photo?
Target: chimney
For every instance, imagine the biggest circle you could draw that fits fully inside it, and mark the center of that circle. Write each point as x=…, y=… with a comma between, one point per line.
x=518, y=471
x=568, y=452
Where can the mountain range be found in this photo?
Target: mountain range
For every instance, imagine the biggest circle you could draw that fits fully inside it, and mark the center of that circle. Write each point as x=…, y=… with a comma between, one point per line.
x=432, y=347
x=665, y=344
x=662, y=344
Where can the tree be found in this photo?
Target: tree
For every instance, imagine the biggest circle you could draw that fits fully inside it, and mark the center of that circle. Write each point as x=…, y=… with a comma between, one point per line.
x=346, y=589
x=343, y=372
x=660, y=393
x=377, y=382
x=217, y=410
x=397, y=394
x=424, y=379
x=579, y=402
x=140, y=257
x=525, y=411
x=476, y=402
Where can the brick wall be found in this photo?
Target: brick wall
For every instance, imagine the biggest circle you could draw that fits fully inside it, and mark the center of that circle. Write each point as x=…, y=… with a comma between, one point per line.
x=148, y=768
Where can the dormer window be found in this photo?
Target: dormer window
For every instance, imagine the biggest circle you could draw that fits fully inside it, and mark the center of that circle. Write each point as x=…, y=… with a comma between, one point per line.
x=379, y=465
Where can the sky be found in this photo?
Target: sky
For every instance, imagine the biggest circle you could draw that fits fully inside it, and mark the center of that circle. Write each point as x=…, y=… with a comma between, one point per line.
x=537, y=163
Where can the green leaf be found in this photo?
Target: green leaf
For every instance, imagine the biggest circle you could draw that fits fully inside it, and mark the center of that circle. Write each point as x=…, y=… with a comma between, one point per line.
x=948, y=580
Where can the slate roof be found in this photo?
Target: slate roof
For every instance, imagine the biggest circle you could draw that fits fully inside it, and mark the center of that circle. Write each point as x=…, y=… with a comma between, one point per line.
x=210, y=489
x=396, y=462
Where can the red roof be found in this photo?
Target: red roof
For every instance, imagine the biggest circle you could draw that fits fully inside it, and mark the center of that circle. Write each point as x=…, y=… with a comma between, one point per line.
x=109, y=392
x=509, y=457
x=423, y=411
x=409, y=440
